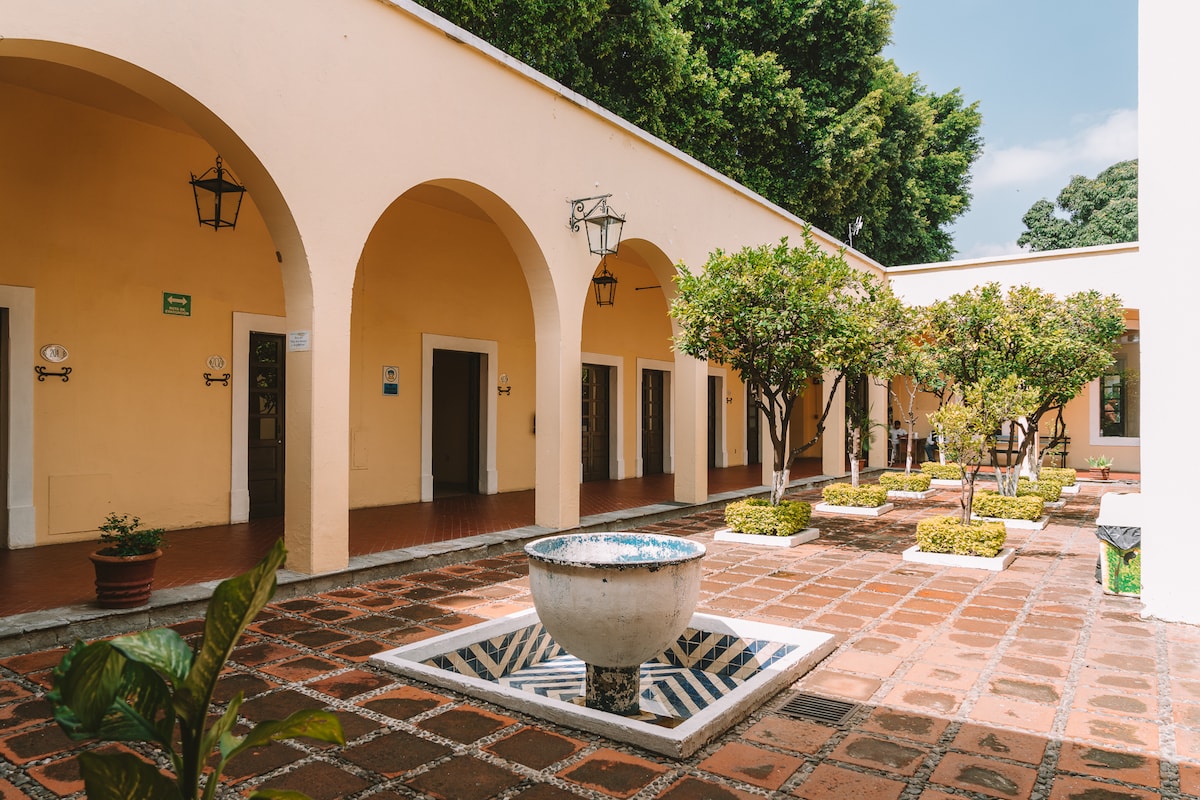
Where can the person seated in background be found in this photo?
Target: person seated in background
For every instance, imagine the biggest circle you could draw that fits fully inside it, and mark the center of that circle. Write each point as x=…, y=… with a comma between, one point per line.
x=930, y=442
x=895, y=435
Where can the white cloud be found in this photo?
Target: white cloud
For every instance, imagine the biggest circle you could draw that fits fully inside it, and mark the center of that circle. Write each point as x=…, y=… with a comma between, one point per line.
x=1086, y=153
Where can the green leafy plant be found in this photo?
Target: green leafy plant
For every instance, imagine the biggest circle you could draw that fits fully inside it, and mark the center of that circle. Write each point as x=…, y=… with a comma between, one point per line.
x=950, y=535
x=1065, y=476
x=1047, y=489
x=843, y=494
x=124, y=535
x=899, y=482
x=1099, y=462
x=137, y=688
x=992, y=504
x=944, y=472
x=756, y=515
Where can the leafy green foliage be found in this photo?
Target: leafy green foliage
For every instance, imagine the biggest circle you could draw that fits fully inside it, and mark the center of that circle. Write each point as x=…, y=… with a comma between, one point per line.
x=755, y=515
x=1050, y=347
x=945, y=472
x=898, y=482
x=139, y=687
x=781, y=316
x=1088, y=212
x=843, y=494
x=124, y=535
x=991, y=504
x=951, y=535
x=792, y=99
x=1064, y=476
x=1099, y=462
x=1045, y=488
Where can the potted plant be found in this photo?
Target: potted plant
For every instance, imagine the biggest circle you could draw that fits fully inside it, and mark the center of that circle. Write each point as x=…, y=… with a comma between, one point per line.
x=1099, y=467
x=125, y=564
x=152, y=687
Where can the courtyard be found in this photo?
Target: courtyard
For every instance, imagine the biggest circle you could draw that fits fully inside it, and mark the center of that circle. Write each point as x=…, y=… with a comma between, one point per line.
x=1027, y=683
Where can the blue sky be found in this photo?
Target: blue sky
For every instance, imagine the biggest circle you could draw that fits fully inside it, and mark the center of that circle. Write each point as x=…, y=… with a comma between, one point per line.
x=1056, y=82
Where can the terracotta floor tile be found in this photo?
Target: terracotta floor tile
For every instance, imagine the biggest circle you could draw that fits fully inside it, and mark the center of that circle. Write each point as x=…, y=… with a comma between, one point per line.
x=465, y=724
x=798, y=736
x=1011, y=713
x=1189, y=779
x=1096, y=762
x=1035, y=691
x=1121, y=681
x=1115, y=701
x=839, y=684
x=984, y=775
x=1033, y=667
x=864, y=663
x=1000, y=743
x=692, y=788
x=753, y=765
x=1121, y=732
x=404, y=702
x=350, y=684
x=934, y=675
x=319, y=780
x=464, y=778
x=613, y=772
x=394, y=753
x=917, y=727
x=534, y=748
x=301, y=669
x=924, y=699
x=880, y=754
x=1067, y=787
x=955, y=656
x=829, y=782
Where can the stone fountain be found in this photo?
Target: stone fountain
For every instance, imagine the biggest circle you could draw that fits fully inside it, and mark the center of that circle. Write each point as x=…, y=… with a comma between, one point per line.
x=614, y=601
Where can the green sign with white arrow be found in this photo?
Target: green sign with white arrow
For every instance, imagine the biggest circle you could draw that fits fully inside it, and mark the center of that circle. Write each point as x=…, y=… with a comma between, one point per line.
x=176, y=304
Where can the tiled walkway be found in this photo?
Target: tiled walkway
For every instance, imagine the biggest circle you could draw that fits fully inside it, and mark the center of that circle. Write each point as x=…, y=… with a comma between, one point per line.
x=1030, y=683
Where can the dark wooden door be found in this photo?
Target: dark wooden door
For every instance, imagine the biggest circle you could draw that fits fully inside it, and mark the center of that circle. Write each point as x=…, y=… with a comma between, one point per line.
x=595, y=423
x=264, y=453
x=653, y=435
x=456, y=421
x=714, y=408
x=753, y=431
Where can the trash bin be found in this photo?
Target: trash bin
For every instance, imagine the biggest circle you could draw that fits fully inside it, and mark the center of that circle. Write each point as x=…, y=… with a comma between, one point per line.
x=1119, y=567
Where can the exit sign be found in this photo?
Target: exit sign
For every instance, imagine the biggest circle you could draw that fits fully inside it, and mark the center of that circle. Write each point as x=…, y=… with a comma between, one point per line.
x=176, y=304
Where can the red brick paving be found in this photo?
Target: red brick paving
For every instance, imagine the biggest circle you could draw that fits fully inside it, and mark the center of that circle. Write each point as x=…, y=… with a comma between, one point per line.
x=1062, y=693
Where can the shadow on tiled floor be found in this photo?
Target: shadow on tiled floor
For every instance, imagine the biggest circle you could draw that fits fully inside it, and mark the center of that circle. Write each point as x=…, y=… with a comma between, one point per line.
x=1021, y=684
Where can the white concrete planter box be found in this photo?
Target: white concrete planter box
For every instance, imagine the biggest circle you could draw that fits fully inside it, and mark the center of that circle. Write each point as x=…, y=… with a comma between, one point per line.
x=1057, y=504
x=766, y=540
x=1072, y=489
x=946, y=483
x=995, y=564
x=855, y=511
x=896, y=494
x=1017, y=524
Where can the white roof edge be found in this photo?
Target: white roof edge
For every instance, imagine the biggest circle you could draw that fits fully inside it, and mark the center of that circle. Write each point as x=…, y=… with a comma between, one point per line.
x=1030, y=256
x=468, y=39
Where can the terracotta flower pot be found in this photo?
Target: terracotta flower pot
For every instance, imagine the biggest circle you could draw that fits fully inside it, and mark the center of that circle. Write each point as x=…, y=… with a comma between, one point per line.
x=1098, y=473
x=124, y=581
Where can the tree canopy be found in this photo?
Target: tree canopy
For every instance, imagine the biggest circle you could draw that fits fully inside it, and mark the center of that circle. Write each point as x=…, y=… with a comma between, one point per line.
x=781, y=316
x=1088, y=212
x=792, y=99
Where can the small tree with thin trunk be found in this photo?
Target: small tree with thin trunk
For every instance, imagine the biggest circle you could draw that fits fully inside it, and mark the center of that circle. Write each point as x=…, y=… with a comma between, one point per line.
x=912, y=363
x=780, y=316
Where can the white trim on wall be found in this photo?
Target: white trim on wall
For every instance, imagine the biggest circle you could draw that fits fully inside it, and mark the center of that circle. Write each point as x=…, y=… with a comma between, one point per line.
x=488, y=477
x=667, y=367
x=22, y=516
x=239, y=484
x=616, y=391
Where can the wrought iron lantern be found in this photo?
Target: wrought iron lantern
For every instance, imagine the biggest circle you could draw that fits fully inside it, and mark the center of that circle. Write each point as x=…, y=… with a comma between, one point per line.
x=605, y=285
x=603, y=226
x=218, y=197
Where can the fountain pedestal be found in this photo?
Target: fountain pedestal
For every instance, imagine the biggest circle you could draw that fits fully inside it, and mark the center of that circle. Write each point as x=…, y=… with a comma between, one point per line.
x=614, y=601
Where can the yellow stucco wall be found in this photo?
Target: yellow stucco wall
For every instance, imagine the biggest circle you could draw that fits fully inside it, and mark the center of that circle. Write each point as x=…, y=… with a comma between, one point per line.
x=135, y=429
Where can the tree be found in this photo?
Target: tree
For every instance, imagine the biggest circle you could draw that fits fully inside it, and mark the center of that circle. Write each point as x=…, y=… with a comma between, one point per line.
x=911, y=363
x=1051, y=347
x=791, y=99
x=1088, y=212
x=781, y=317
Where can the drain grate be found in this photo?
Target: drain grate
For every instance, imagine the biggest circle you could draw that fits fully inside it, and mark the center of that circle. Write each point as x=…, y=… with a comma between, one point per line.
x=819, y=709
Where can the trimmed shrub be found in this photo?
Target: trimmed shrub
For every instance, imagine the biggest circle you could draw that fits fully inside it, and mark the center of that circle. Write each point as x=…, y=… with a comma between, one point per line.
x=945, y=472
x=865, y=496
x=899, y=482
x=949, y=535
x=756, y=515
x=1046, y=488
x=1065, y=476
x=991, y=504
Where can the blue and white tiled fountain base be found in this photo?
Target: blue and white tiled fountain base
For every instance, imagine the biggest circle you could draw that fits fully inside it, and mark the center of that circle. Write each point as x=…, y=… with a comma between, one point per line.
x=716, y=672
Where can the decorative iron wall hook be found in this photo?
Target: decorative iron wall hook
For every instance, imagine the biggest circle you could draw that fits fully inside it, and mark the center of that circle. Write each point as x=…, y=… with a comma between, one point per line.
x=42, y=373
x=209, y=379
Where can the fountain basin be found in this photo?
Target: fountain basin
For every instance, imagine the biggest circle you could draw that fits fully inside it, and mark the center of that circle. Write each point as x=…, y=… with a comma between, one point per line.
x=614, y=599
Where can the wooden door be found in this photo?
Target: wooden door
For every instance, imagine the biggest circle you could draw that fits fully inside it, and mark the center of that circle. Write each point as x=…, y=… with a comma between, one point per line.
x=264, y=453
x=595, y=423
x=753, y=429
x=653, y=435
x=714, y=408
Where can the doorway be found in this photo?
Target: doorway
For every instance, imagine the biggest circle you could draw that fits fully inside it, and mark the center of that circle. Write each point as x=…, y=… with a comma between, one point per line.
x=595, y=422
x=753, y=428
x=458, y=377
x=653, y=421
x=4, y=412
x=265, y=425
x=714, y=408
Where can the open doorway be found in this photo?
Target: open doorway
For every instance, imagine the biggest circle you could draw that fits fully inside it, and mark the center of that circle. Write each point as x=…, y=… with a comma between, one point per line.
x=458, y=379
